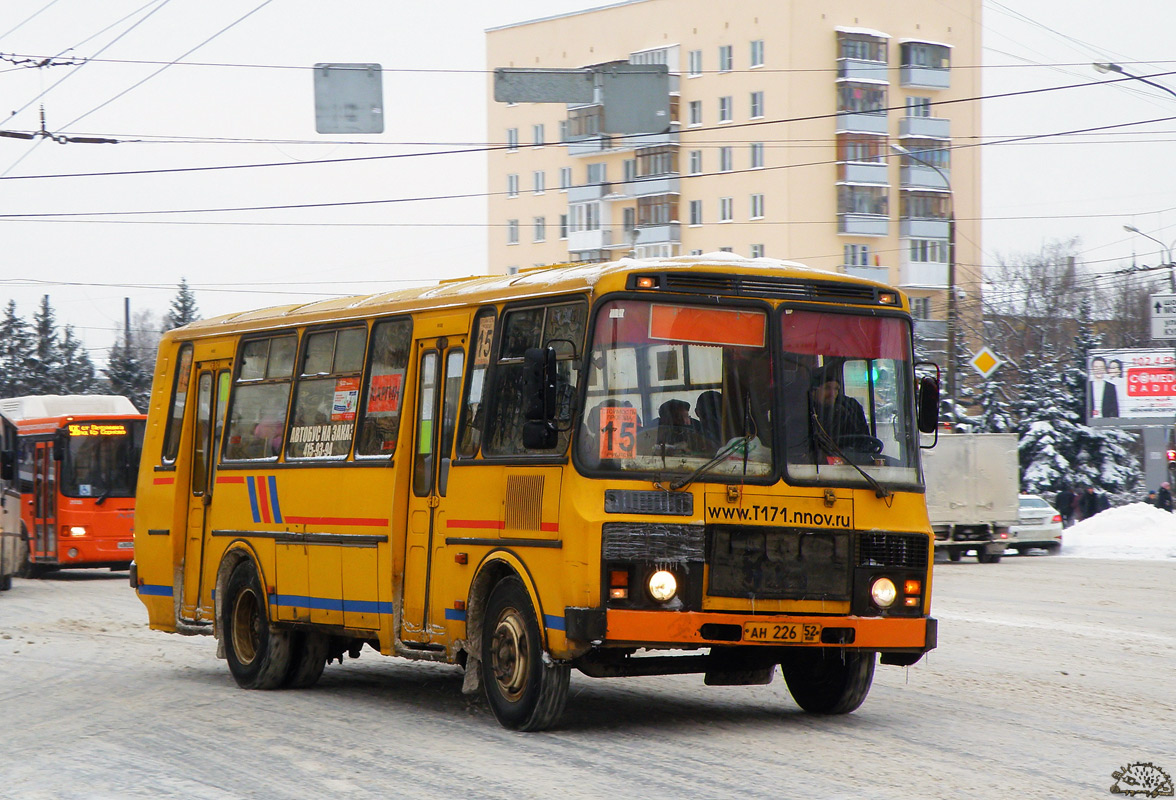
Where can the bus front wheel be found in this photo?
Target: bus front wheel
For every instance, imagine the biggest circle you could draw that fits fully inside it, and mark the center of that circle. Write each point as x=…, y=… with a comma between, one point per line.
x=259, y=658
x=526, y=691
x=829, y=680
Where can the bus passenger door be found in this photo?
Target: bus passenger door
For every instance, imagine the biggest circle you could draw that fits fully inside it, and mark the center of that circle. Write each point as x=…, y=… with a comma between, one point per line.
x=439, y=370
x=212, y=383
x=44, y=543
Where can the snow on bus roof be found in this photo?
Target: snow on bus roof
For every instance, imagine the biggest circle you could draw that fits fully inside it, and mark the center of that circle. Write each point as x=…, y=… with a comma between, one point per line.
x=536, y=278
x=60, y=405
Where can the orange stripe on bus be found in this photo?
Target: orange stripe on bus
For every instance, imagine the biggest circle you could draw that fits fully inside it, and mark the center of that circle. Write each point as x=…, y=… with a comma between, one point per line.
x=263, y=500
x=337, y=521
x=163, y=481
x=230, y=478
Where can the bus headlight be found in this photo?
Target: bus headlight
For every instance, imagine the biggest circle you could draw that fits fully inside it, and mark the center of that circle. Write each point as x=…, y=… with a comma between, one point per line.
x=77, y=530
x=663, y=585
x=883, y=592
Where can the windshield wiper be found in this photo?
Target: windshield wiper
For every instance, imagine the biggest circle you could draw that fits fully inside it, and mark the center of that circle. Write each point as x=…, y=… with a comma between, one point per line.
x=105, y=494
x=724, y=451
x=826, y=441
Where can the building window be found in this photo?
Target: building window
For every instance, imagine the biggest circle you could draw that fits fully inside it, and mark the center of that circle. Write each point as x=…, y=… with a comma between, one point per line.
x=584, y=217
x=726, y=249
x=512, y=231
x=694, y=63
x=857, y=255
x=695, y=162
x=565, y=178
x=726, y=159
x=540, y=229
x=512, y=139
x=757, y=53
x=918, y=106
x=630, y=168
x=925, y=205
x=726, y=61
x=757, y=155
x=726, y=106
x=924, y=54
x=757, y=251
x=563, y=130
x=657, y=161
x=861, y=98
x=862, y=48
x=537, y=135
x=695, y=212
x=757, y=206
x=659, y=55
x=924, y=153
x=695, y=108
x=862, y=149
x=629, y=219
x=863, y=200
x=657, y=210
x=726, y=209
x=539, y=181
x=929, y=251
x=597, y=173
x=757, y=104
x=921, y=307
x=695, y=252
x=563, y=226
x=512, y=185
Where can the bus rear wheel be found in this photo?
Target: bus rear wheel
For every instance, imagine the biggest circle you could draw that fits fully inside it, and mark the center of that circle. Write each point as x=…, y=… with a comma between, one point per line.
x=829, y=680
x=259, y=658
x=525, y=690
x=308, y=658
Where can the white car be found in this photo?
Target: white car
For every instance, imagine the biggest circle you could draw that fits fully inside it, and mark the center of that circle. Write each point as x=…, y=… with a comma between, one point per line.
x=1040, y=526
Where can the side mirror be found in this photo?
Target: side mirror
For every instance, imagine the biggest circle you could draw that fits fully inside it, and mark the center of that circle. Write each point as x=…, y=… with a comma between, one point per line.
x=60, y=444
x=927, y=404
x=7, y=465
x=539, y=377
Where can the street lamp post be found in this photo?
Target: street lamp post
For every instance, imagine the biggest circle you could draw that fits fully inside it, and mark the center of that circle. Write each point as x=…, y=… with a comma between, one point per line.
x=1167, y=251
x=951, y=271
x=1116, y=68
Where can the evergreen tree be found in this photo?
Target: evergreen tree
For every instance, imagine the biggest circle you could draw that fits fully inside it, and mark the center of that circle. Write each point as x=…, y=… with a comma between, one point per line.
x=183, y=308
x=127, y=376
x=76, y=374
x=45, y=358
x=15, y=346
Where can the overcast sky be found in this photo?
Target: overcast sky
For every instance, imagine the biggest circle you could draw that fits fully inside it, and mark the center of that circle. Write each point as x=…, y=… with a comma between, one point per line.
x=245, y=77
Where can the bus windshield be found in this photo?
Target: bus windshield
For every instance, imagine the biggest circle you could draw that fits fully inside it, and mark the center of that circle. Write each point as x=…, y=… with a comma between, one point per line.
x=846, y=388
x=673, y=388
x=102, y=458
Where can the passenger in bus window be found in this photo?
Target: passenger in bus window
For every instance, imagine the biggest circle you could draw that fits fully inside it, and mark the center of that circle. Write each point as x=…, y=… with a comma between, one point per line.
x=709, y=410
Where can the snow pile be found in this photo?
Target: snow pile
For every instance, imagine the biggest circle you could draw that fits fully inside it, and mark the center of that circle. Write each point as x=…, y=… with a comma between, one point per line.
x=1134, y=532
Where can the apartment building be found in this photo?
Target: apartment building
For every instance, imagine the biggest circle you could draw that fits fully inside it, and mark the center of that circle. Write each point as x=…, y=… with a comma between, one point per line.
x=828, y=133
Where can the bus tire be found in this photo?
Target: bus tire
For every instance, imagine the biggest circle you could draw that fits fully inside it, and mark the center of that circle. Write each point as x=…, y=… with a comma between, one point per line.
x=259, y=658
x=955, y=555
x=308, y=658
x=5, y=583
x=526, y=690
x=829, y=680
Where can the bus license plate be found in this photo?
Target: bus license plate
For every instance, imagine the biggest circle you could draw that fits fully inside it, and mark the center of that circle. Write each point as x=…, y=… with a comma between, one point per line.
x=125, y=545
x=781, y=632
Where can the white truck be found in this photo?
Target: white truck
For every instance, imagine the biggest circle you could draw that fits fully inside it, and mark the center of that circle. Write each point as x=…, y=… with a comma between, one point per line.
x=973, y=483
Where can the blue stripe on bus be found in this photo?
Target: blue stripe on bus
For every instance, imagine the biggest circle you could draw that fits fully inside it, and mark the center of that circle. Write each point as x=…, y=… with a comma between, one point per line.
x=553, y=622
x=454, y=614
x=249, y=481
x=156, y=590
x=330, y=604
x=273, y=493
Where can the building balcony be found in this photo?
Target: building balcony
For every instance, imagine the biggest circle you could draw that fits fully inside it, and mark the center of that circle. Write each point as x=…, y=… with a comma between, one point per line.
x=861, y=172
x=579, y=241
x=586, y=194
x=863, y=224
x=862, y=122
x=636, y=140
x=875, y=273
x=924, y=128
x=654, y=184
x=856, y=69
x=665, y=233
x=919, y=176
x=589, y=145
x=922, y=275
x=924, y=77
x=923, y=228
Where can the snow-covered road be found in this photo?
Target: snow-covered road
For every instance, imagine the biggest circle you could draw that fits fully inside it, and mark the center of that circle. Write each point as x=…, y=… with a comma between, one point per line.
x=1051, y=674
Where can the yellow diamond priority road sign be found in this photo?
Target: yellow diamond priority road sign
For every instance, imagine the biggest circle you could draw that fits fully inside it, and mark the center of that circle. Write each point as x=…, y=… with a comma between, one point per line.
x=985, y=362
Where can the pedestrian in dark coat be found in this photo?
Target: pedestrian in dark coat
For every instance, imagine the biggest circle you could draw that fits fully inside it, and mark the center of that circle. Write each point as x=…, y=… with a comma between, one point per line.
x=1164, y=497
x=1065, y=504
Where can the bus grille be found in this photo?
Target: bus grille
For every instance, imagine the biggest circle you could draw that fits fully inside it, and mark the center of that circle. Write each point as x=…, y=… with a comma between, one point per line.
x=768, y=286
x=628, y=501
x=779, y=563
x=892, y=550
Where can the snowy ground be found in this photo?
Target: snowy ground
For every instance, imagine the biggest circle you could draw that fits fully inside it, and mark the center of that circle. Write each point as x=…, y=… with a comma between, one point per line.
x=1133, y=532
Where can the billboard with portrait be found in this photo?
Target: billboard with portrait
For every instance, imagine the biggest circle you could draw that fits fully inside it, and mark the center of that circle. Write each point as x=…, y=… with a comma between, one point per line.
x=1125, y=387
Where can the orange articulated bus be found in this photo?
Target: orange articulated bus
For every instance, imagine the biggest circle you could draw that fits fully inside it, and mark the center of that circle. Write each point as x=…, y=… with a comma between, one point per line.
x=76, y=465
x=692, y=465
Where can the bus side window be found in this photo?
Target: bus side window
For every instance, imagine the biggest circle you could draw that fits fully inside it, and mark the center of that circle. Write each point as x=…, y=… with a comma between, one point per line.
x=473, y=411
x=179, y=400
x=260, y=399
x=383, y=396
x=327, y=395
x=561, y=325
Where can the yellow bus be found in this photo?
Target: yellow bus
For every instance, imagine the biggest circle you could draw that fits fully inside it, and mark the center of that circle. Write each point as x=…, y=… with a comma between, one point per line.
x=632, y=468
